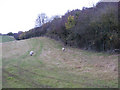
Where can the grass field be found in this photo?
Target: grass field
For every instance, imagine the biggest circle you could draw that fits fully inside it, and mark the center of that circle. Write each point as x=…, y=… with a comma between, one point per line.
x=6, y=39
x=51, y=68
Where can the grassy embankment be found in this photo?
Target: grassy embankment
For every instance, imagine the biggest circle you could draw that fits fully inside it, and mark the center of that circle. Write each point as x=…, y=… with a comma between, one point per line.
x=50, y=67
x=6, y=39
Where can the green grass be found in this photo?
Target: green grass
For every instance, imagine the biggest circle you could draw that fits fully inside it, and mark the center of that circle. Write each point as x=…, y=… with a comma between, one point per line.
x=76, y=68
x=6, y=39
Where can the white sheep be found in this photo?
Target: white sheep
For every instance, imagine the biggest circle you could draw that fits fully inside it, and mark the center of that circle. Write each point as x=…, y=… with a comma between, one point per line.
x=31, y=53
x=63, y=49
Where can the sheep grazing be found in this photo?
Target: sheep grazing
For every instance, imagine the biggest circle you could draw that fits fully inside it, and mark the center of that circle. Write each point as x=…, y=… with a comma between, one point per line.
x=63, y=49
x=31, y=53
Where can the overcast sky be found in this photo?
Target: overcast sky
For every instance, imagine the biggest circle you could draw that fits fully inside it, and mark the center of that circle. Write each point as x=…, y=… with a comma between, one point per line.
x=20, y=15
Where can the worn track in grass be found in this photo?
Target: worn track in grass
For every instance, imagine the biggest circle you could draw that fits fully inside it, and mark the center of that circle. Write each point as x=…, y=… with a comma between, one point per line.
x=28, y=81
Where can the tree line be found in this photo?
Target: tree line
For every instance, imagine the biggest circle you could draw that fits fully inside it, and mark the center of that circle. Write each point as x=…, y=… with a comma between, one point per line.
x=95, y=28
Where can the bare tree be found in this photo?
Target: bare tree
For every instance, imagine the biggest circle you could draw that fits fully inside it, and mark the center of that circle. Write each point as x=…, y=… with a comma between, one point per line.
x=41, y=19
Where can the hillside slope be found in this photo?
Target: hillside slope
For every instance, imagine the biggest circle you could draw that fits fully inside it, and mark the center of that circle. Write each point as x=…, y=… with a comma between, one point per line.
x=50, y=67
x=6, y=39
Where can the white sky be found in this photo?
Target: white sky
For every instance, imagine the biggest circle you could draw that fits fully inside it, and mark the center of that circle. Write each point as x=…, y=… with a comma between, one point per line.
x=20, y=15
